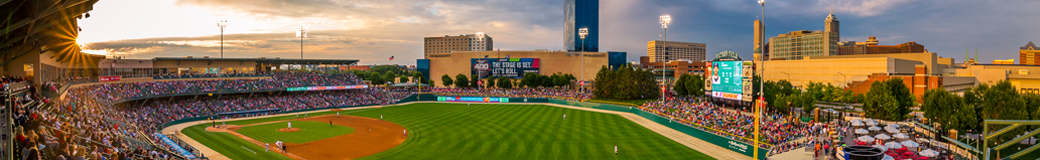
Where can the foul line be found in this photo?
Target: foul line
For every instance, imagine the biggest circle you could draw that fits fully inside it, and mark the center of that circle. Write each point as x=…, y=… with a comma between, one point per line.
x=244, y=147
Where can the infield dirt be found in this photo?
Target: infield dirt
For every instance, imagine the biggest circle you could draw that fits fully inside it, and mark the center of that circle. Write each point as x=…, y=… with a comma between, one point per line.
x=370, y=136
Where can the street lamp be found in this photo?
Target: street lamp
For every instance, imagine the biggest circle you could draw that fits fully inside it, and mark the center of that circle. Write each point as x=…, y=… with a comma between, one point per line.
x=222, y=24
x=302, y=33
x=665, y=19
x=582, y=33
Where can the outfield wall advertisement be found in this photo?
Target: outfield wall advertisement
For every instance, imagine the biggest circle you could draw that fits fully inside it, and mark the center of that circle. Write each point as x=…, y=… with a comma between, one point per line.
x=503, y=67
x=473, y=99
x=727, y=79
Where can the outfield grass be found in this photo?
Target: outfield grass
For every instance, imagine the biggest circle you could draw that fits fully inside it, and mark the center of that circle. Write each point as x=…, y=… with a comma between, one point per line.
x=309, y=131
x=497, y=131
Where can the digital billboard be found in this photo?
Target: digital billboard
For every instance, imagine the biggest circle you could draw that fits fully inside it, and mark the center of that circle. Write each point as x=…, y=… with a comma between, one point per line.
x=319, y=88
x=503, y=67
x=473, y=99
x=727, y=79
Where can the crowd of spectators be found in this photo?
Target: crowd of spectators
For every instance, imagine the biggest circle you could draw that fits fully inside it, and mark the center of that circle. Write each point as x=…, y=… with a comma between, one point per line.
x=76, y=128
x=776, y=130
x=209, y=75
x=568, y=94
x=85, y=125
x=113, y=92
x=153, y=114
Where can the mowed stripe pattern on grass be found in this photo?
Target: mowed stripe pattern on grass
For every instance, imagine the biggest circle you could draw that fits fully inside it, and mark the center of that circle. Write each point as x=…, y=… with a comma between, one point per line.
x=310, y=131
x=504, y=131
x=228, y=145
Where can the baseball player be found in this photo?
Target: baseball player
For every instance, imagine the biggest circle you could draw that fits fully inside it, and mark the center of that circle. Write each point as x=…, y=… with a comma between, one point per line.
x=290, y=124
x=330, y=123
x=279, y=144
x=615, y=150
x=380, y=117
x=406, y=133
x=337, y=114
x=305, y=115
x=564, y=116
x=297, y=115
x=267, y=146
x=468, y=104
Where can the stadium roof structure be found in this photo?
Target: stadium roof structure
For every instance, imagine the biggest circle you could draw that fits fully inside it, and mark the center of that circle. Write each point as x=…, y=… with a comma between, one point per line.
x=274, y=61
x=52, y=24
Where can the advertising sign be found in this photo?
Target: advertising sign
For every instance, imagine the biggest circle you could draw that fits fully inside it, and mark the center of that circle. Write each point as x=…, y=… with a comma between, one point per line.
x=473, y=99
x=727, y=79
x=319, y=88
x=108, y=78
x=503, y=67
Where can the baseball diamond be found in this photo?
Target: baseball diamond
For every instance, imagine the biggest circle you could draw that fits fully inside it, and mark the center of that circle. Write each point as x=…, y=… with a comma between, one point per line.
x=448, y=131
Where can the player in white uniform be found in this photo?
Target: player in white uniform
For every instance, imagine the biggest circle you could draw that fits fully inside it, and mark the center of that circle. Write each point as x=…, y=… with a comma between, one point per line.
x=290, y=124
x=405, y=133
x=564, y=116
x=380, y=117
x=267, y=146
x=615, y=150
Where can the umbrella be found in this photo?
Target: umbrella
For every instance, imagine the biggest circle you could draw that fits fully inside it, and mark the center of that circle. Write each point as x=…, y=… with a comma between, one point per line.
x=861, y=131
x=865, y=138
x=893, y=145
x=882, y=147
x=883, y=136
x=900, y=136
x=871, y=123
x=874, y=128
x=892, y=130
x=856, y=120
x=910, y=144
x=893, y=125
x=857, y=124
x=929, y=153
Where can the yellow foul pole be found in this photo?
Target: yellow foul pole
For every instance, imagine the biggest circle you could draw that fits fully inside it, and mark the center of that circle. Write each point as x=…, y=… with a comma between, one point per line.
x=758, y=111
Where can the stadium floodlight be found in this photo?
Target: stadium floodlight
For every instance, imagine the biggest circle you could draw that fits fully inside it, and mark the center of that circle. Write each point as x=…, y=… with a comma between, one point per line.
x=582, y=33
x=222, y=24
x=665, y=20
x=302, y=33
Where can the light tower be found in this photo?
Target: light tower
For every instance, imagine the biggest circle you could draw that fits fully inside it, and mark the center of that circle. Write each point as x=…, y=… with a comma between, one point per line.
x=222, y=24
x=582, y=33
x=302, y=33
x=665, y=20
x=760, y=104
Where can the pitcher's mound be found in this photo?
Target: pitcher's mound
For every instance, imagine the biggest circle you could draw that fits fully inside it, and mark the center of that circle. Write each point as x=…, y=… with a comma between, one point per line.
x=289, y=129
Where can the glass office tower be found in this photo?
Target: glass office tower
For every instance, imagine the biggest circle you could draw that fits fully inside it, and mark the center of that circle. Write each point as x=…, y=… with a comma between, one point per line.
x=581, y=14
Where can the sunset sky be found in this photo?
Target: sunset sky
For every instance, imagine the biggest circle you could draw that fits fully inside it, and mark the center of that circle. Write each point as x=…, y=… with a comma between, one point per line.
x=374, y=30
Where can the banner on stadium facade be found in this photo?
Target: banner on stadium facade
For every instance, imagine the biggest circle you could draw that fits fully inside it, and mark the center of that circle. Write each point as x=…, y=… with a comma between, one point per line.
x=320, y=88
x=503, y=67
x=108, y=78
x=473, y=99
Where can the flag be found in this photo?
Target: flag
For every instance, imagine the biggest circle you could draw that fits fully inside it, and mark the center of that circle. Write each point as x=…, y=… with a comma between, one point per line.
x=391, y=58
x=485, y=56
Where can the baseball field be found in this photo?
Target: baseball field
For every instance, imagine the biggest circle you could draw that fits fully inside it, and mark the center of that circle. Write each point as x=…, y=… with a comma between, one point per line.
x=445, y=131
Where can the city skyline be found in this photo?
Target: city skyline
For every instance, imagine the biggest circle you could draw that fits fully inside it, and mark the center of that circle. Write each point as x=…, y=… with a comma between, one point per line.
x=372, y=30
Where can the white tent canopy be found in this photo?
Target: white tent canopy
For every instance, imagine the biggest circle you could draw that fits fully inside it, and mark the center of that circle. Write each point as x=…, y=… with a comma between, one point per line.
x=893, y=145
x=861, y=131
x=874, y=128
x=910, y=144
x=883, y=136
x=865, y=138
x=900, y=136
x=929, y=153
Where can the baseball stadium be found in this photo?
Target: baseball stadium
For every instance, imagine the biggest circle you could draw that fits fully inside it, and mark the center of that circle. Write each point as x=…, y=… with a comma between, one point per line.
x=311, y=115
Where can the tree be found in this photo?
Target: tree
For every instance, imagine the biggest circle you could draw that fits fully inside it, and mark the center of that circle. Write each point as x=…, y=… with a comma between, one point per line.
x=490, y=83
x=403, y=79
x=695, y=85
x=504, y=82
x=556, y=80
x=461, y=81
x=417, y=75
x=384, y=69
x=431, y=83
x=876, y=105
x=902, y=94
x=390, y=77
x=375, y=78
x=445, y=80
x=939, y=106
x=680, y=85
x=474, y=81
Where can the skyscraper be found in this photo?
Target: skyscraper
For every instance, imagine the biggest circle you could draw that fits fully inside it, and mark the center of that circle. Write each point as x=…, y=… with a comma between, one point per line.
x=467, y=42
x=581, y=14
x=797, y=44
